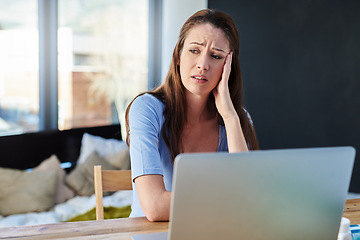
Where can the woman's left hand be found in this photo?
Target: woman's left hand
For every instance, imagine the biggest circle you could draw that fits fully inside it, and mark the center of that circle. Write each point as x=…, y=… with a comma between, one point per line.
x=221, y=92
x=225, y=107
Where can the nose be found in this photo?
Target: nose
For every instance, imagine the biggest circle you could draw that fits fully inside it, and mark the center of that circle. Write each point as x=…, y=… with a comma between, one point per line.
x=203, y=62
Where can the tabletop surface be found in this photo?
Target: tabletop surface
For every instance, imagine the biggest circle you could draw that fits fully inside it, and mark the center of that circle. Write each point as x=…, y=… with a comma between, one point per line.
x=121, y=228
x=352, y=210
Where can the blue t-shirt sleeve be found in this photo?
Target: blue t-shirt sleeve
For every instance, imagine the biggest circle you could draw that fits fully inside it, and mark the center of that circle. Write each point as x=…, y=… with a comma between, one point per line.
x=145, y=117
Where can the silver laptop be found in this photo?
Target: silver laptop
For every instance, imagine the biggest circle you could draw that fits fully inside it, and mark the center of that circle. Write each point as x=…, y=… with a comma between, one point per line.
x=287, y=194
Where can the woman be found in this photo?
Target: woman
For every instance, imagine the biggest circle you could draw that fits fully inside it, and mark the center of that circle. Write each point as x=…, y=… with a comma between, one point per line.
x=197, y=109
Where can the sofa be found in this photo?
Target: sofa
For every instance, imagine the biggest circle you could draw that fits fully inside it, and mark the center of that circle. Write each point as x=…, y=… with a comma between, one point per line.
x=47, y=176
x=28, y=150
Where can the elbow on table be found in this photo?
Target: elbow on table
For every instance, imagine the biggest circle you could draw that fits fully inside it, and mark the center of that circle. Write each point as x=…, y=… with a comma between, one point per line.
x=156, y=216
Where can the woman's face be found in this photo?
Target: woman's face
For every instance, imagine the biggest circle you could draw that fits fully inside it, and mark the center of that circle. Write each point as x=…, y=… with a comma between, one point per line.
x=202, y=59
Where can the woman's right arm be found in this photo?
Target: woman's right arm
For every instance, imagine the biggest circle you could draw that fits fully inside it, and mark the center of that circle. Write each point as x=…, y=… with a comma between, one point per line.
x=154, y=199
x=145, y=130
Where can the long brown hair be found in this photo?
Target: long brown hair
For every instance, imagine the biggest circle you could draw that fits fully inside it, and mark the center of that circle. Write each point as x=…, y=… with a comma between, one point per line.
x=172, y=91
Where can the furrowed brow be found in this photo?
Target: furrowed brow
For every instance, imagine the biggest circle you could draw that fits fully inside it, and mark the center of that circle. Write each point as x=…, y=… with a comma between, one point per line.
x=214, y=48
x=197, y=43
x=219, y=50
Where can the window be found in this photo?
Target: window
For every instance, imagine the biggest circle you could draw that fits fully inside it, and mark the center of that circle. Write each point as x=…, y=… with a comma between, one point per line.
x=19, y=86
x=102, y=59
x=102, y=62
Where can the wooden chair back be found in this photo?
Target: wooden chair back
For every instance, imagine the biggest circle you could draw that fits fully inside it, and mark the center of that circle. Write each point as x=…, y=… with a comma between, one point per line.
x=109, y=181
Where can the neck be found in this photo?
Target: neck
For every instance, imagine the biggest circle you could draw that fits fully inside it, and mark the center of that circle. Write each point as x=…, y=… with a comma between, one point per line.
x=199, y=109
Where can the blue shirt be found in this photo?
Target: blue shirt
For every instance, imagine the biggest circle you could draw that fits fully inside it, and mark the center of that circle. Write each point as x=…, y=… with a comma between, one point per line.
x=149, y=153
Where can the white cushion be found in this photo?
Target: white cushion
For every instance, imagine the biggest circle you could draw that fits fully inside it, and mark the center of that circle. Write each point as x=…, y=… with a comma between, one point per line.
x=102, y=146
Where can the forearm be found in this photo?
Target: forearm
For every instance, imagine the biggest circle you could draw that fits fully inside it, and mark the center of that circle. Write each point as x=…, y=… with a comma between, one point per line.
x=235, y=136
x=154, y=199
x=158, y=209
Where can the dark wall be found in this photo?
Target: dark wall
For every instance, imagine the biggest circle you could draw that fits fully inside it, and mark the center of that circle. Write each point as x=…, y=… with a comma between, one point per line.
x=301, y=66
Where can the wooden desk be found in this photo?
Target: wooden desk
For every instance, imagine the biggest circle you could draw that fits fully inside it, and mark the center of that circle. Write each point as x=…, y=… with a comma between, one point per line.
x=121, y=229
x=352, y=210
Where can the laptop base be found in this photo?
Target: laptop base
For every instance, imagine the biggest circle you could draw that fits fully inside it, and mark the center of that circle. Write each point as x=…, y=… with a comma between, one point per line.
x=151, y=236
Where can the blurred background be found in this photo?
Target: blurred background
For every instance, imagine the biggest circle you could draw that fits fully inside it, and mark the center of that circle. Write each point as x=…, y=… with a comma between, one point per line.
x=301, y=67
x=300, y=62
x=102, y=61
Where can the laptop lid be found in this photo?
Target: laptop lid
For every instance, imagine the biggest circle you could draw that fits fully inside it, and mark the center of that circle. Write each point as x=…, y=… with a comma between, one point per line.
x=271, y=194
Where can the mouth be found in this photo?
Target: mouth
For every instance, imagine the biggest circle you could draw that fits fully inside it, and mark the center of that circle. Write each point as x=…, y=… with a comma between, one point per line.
x=199, y=78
